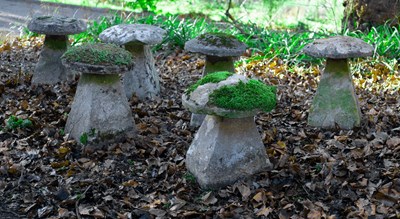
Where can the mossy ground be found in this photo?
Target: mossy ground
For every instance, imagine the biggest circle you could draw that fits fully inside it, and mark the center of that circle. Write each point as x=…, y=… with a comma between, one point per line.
x=245, y=96
x=210, y=78
x=98, y=54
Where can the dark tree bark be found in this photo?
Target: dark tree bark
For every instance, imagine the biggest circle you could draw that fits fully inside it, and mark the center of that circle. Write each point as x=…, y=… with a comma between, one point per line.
x=364, y=14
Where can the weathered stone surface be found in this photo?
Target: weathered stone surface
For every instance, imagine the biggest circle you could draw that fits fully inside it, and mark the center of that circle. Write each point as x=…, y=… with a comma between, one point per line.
x=96, y=69
x=56, y=25
x=123, y=34
x=99, y=104
x=49, y=69
x=338, y=47
x=198, y=100
x=226, y=150
x=335, y=102
x=216, y=45
x=143, y=79
x=216, y=64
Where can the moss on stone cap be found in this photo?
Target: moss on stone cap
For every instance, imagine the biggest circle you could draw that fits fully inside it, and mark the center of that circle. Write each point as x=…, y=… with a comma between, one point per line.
x=98, y=54
x=218, y=39
x=210, y=78
x=245, y=96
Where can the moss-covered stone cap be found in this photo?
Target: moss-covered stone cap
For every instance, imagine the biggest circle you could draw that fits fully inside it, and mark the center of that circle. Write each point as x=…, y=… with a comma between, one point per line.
x=235, y=97
x=56, y=25
x=338, y=47
x=98, y=58
x=133, y=33
x=216, y=44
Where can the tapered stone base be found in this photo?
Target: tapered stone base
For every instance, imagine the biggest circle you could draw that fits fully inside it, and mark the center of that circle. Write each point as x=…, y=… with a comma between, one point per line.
x=143, y=79
x=99, y=105
x=226, y=150
x=335, y=102
x=49, y=69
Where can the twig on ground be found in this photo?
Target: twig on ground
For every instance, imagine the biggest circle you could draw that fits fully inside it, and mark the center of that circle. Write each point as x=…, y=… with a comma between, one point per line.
x=77, y=203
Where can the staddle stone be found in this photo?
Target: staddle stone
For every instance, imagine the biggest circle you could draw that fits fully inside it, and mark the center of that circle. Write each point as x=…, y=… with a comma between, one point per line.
x=227, y=147
x=100, y=105
x=335, y=103
x=143, y=79
x=225, y=150
x=220, y=49
x=49, y=69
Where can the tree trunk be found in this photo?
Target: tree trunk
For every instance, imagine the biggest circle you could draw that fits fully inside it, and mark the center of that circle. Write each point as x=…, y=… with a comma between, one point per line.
x=364, y=14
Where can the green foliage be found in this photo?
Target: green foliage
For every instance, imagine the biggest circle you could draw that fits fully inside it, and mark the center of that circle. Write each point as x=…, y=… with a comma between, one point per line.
x=245, y=96
x=96, y=27
x=385, y=39
x=210, y=78
x=14, y=122
x=145, y=5
x=98, y=54
x=190, y=177
x=84, y=138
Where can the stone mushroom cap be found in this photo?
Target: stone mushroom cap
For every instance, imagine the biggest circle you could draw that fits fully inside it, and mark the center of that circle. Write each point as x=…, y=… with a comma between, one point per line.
x=133, y=33
x=56, y=25
x=200, y=100
x=338, y=47
x=216, y=44
x=98, y=58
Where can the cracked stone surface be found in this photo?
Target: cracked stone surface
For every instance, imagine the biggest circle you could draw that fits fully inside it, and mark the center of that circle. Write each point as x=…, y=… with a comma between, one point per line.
x=143, y=79
x=226, y=150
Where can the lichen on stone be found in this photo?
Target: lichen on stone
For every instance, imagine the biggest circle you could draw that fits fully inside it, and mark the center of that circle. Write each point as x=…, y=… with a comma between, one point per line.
x=98, y=54
x=245, y=96
x=210, y=78
x=217, y=39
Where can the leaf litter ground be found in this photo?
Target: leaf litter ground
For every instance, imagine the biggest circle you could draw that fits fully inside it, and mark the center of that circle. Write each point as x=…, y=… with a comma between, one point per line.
x=317, y=173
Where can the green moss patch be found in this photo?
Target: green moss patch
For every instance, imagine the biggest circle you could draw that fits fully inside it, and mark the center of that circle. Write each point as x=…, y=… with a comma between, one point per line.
x=98, y=54
x=245, y=96
x=217, y=39
x=210, y=78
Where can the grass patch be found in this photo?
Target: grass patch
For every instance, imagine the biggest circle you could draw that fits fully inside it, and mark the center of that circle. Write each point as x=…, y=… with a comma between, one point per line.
x=245, y=96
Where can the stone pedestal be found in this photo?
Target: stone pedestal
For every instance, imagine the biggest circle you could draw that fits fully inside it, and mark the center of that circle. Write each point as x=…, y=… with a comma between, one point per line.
x=100, y=105
x=335, y=102
x=143, y=79
x=226, y=150
x=49, y=69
